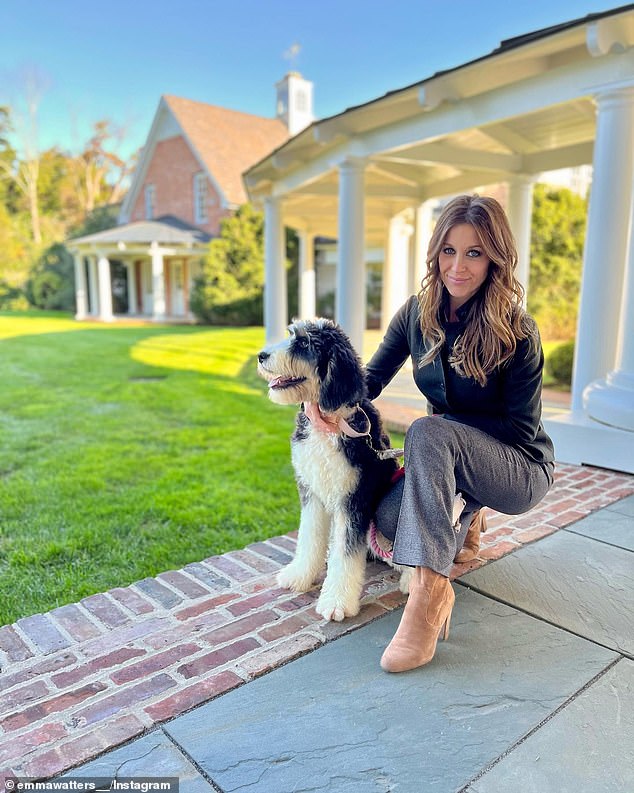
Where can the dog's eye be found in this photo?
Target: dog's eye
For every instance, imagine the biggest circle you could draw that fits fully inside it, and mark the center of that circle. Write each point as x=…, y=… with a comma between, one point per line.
x=301, y=342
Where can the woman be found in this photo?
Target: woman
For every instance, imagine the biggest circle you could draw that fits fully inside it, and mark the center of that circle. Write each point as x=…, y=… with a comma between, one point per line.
x=478, y=360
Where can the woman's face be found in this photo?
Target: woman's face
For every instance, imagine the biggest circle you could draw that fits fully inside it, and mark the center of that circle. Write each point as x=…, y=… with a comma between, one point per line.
x=463, y=265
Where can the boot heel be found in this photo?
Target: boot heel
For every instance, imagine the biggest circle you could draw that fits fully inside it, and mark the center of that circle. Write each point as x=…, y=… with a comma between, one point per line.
x=445, y=628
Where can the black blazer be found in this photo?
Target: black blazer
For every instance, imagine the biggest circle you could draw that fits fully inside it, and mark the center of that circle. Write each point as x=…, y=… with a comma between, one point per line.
x=508, y=407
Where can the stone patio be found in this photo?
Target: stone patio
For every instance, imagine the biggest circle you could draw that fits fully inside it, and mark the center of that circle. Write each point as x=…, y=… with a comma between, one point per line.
x=514, y=700
x=88, y=677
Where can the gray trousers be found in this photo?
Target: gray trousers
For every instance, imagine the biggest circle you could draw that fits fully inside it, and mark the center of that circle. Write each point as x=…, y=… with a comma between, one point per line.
x=443, y=458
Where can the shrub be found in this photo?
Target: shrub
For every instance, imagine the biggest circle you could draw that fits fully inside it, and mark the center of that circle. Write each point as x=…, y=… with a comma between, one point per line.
x=237, y=312
x=557, y=239
x=51, y=285
x=229, y=290
x=559, y=363
x=12, y=298
x=326, y=305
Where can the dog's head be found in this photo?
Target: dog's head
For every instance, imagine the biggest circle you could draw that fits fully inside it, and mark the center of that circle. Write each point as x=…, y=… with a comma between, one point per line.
x=316, y=363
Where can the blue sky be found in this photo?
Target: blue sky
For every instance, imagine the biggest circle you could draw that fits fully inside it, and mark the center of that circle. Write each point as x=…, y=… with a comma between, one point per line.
x=115, y=59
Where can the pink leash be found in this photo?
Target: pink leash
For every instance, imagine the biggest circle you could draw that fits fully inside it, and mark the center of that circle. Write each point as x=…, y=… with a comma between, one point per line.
x=326, y=424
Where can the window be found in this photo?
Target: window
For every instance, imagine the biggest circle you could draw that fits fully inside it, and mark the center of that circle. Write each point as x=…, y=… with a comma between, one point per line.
x=200, y=198
x=301, y=100
x=150, y=201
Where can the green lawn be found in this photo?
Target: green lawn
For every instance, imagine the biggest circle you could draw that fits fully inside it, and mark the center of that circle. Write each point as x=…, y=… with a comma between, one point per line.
x=129, y=450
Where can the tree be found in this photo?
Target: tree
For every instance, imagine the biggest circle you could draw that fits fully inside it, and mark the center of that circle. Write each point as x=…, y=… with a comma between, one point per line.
x=46, y=196
x=24, y=171
x=51, y=280
x=557, y=240
x=230, y=288
x=13, y=252
x=99, y=173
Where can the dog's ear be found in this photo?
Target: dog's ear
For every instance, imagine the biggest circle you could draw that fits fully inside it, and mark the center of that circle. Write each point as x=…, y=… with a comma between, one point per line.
x=340, y=373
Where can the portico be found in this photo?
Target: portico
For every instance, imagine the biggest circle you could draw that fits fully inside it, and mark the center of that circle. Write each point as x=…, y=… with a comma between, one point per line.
x=556, y=98
x=144, y=269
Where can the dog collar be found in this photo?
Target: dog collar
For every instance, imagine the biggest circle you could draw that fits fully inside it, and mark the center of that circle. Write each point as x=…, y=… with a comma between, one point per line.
x=326, y=423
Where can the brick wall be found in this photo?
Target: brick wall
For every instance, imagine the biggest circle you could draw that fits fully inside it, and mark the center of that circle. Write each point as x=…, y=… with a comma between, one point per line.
x=172, y=171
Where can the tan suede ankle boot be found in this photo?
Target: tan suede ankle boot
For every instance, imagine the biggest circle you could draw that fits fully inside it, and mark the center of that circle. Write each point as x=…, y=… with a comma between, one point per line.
x=427, y=612
x=471, y=546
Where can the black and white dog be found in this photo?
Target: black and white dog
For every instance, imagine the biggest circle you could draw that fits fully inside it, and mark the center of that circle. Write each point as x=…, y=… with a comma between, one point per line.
x=340, y=457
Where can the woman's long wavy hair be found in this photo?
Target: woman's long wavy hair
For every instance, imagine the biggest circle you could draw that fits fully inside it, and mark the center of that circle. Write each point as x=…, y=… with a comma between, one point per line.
x=496, y=321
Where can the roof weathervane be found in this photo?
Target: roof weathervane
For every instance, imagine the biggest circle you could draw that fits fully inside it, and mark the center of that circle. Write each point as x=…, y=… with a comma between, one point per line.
x=291, y=55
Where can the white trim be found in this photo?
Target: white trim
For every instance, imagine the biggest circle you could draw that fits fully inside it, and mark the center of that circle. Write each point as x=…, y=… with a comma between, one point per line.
x=201, y=198
x=149, y=201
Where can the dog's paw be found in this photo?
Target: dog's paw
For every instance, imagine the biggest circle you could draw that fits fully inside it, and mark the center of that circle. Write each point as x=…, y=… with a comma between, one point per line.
x=333, y=608
x=294, y=577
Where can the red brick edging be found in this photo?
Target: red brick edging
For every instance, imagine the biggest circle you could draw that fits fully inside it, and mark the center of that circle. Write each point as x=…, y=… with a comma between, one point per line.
x=89, y=676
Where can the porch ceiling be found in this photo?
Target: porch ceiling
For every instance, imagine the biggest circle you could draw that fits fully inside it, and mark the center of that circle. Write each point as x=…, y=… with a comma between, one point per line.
x=555, y=137
x=526, y=108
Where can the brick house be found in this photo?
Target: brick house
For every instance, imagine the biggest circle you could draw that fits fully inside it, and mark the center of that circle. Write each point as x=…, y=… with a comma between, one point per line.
x=189, y=177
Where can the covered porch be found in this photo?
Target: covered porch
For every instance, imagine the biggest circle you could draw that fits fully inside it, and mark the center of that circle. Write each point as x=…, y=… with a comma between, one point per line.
x=144, y=269
x=557, y=98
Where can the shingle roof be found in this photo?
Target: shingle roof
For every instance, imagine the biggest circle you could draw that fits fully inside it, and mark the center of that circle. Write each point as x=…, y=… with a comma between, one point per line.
x=227, y=141
x=165, y=229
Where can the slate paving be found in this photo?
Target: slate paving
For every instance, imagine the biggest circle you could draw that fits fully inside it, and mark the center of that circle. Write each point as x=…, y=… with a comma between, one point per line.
x=154, y=755
x=585, y=748
x=612, y=525
x=334, y=721
x=581, y=584
x=533, y=691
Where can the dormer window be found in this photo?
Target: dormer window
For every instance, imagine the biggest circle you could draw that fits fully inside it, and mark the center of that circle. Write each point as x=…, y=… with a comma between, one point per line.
x=200, y=198
x=150, y=201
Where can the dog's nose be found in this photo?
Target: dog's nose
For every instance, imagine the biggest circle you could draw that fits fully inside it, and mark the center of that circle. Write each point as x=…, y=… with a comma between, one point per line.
x=262, y=356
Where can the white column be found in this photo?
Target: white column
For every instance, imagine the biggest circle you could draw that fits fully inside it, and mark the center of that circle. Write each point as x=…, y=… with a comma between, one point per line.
x=158, y=283
x=133, y=307
x=396, y=269
x=80, y=287
x=307, y=285
x=520, y=211
x=93, y=286
x=105, y=290
x=611, y=400
x=275, y=299
x=422, y=234
x=350, y=295
x=606, y=241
